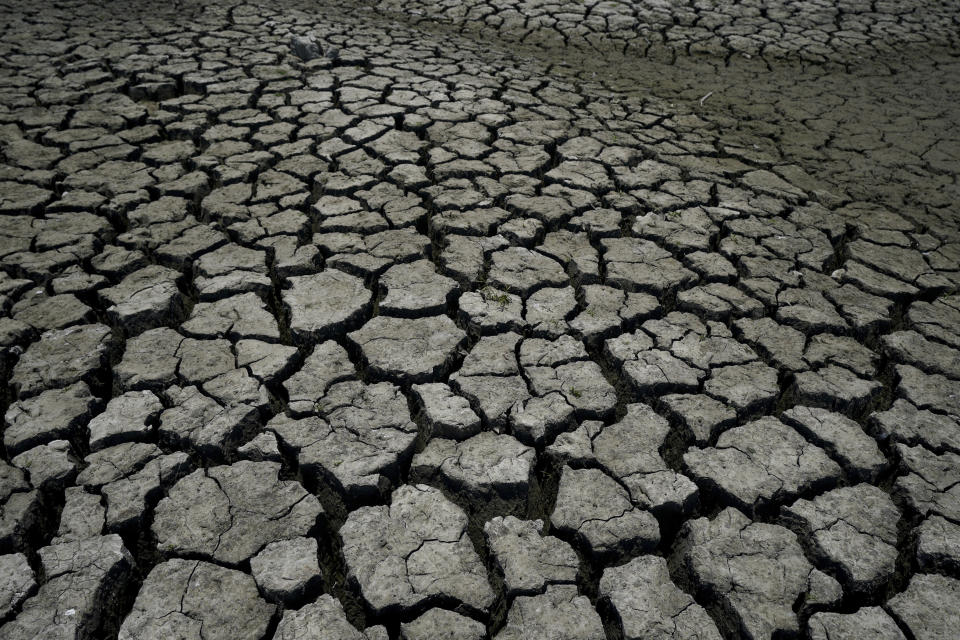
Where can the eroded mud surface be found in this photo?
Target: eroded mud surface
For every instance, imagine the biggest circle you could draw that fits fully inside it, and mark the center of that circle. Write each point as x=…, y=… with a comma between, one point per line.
x=414, y=320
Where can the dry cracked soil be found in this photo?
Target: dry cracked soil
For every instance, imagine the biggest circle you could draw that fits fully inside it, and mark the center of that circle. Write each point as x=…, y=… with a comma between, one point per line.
x=479, y=319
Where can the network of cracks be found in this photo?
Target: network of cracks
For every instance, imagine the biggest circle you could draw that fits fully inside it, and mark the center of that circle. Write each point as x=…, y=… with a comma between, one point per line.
x=462, y=320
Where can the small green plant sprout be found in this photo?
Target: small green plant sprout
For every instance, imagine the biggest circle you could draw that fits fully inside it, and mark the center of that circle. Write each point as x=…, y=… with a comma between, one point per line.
x=492, y=295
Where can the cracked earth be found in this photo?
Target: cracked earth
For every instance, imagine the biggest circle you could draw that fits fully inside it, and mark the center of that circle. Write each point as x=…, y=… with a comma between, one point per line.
x=465, y=320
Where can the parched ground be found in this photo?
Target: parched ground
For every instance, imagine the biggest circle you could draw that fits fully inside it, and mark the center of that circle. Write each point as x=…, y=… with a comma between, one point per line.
x=514, y=319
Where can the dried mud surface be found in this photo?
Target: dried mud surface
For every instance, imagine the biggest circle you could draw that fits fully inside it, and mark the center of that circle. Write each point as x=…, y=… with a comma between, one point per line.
x=509, y=319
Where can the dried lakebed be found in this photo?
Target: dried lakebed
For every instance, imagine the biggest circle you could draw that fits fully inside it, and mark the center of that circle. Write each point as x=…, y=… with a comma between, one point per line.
x=468, y=320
